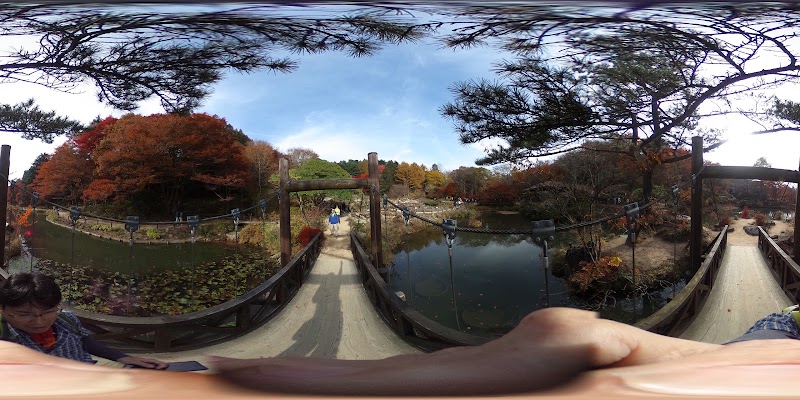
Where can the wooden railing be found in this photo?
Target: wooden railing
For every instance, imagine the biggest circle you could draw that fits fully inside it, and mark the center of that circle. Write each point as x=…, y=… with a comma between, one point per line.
x=212, y=325
x=413, y=327
x=784, y=268
x=673, y=318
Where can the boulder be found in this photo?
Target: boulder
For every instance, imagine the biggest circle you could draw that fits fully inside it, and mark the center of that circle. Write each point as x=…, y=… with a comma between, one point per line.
x=751, y=230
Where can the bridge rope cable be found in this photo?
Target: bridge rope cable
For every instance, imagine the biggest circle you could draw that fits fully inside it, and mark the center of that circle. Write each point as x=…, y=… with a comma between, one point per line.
x=520, y=232
x=36, y=197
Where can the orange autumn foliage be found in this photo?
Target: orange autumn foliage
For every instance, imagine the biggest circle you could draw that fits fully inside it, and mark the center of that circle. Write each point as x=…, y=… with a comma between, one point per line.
x=65, y=174
x=168, y=154
x=603, y=270
x=24, y=220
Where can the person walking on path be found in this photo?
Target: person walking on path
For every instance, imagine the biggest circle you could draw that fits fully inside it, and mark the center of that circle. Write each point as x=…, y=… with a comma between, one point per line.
x=333, y=219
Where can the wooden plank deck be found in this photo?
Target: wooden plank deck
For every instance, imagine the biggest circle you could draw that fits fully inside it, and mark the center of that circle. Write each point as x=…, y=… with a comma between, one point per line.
x=330, y=317
x=744, y=291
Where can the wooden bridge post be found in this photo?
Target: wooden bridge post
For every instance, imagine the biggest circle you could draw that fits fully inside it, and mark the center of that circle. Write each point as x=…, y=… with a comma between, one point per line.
x=5, y=159
x=285, y=212
x=375, y=210
x=796, y=250
x=696, y=212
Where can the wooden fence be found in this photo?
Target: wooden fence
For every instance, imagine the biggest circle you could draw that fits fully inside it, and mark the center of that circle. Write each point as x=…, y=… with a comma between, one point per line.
x=209, y=326
x=784, y=268
x=674, y=317
x=413, y=327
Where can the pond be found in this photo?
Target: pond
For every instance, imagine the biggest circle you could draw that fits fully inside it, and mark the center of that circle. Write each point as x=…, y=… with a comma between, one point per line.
x=113, y=277
x=498, y=279
x=49, y=241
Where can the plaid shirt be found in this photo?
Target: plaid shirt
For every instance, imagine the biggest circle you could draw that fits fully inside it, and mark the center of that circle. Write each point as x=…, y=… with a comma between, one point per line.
x=69, y=343
x=782, y=322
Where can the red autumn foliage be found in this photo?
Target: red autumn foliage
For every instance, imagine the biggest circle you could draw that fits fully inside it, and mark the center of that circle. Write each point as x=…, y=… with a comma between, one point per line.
x=745, y=212
x=761, y=219
x=306, y=234
x=65, y=175
x=169, y=155
x=499, y=194
x=87, y=141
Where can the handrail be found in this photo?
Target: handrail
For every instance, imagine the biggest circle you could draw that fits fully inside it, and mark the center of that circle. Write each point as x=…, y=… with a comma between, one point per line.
x=413, y=327
x=785, y=270
x=212, y=325
x=670, y=319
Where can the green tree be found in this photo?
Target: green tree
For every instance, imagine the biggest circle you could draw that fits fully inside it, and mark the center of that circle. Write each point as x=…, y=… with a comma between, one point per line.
x=351, y=166
x=32, y=123
x=321, y=169
x=387, y=178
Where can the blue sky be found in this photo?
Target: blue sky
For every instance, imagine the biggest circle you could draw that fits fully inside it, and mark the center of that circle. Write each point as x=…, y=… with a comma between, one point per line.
x=344, y=107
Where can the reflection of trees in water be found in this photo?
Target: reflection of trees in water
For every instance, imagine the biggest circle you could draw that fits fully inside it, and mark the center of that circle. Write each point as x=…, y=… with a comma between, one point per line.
x=433, y=235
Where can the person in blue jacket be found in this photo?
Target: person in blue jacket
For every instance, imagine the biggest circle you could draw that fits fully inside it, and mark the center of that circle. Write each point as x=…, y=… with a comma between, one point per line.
x=333, y=219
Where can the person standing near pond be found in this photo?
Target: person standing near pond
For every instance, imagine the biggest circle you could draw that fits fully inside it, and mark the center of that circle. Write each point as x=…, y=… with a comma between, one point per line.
x=333, y=219
x=30, y=314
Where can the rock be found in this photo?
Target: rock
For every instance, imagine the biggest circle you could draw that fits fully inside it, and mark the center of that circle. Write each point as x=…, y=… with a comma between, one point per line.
x=751, y=230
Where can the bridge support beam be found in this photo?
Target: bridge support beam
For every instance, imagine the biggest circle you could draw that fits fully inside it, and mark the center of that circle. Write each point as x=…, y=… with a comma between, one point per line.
x=796, y=252
x=696, y=211
x=284, y=205
x=375, y=210
x=5, y=160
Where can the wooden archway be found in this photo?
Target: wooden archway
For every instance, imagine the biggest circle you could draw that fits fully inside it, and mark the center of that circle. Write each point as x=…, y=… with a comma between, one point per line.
x=287, y=186
x=700, y=172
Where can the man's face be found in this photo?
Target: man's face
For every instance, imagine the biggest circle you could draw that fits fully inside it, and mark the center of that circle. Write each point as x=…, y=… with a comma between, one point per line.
x=30, y=318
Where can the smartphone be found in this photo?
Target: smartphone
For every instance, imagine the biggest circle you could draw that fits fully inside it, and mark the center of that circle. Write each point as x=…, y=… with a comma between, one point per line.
x=180, y=366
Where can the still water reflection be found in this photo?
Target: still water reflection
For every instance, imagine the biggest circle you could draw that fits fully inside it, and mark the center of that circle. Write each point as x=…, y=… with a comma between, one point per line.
x=498, y=279
x=51, y=242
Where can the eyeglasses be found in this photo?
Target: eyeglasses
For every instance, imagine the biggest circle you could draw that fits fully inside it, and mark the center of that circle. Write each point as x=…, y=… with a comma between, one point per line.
x=30, y=316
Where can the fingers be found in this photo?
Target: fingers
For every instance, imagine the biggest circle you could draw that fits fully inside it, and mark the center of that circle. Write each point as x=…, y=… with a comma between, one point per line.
x=143, y=362
x=756, y=369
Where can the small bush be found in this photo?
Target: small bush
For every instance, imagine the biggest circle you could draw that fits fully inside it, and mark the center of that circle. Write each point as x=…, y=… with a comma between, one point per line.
x=306, y=234
x=431, y=203
x=604, y=271
x=761, y=219
x=153, y=234
x=106, y=228
x=215, y=228
x=746, y=212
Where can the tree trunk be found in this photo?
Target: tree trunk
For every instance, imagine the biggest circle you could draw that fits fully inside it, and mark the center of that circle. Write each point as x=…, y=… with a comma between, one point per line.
x=647, y=183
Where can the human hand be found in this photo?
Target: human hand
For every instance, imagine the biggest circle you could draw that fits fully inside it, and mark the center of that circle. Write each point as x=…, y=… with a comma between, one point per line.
x=143, y=362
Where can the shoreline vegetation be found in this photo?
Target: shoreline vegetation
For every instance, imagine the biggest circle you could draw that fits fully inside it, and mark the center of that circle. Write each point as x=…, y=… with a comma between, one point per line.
x=169, y=292
x=595, y=273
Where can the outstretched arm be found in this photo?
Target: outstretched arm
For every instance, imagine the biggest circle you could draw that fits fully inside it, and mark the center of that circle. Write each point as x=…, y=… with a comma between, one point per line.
x=98, y=349
x=549, y=348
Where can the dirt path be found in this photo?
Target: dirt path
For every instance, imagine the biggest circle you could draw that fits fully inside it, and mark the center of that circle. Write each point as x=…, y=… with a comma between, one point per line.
x=338, y=246
x=652, y=251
